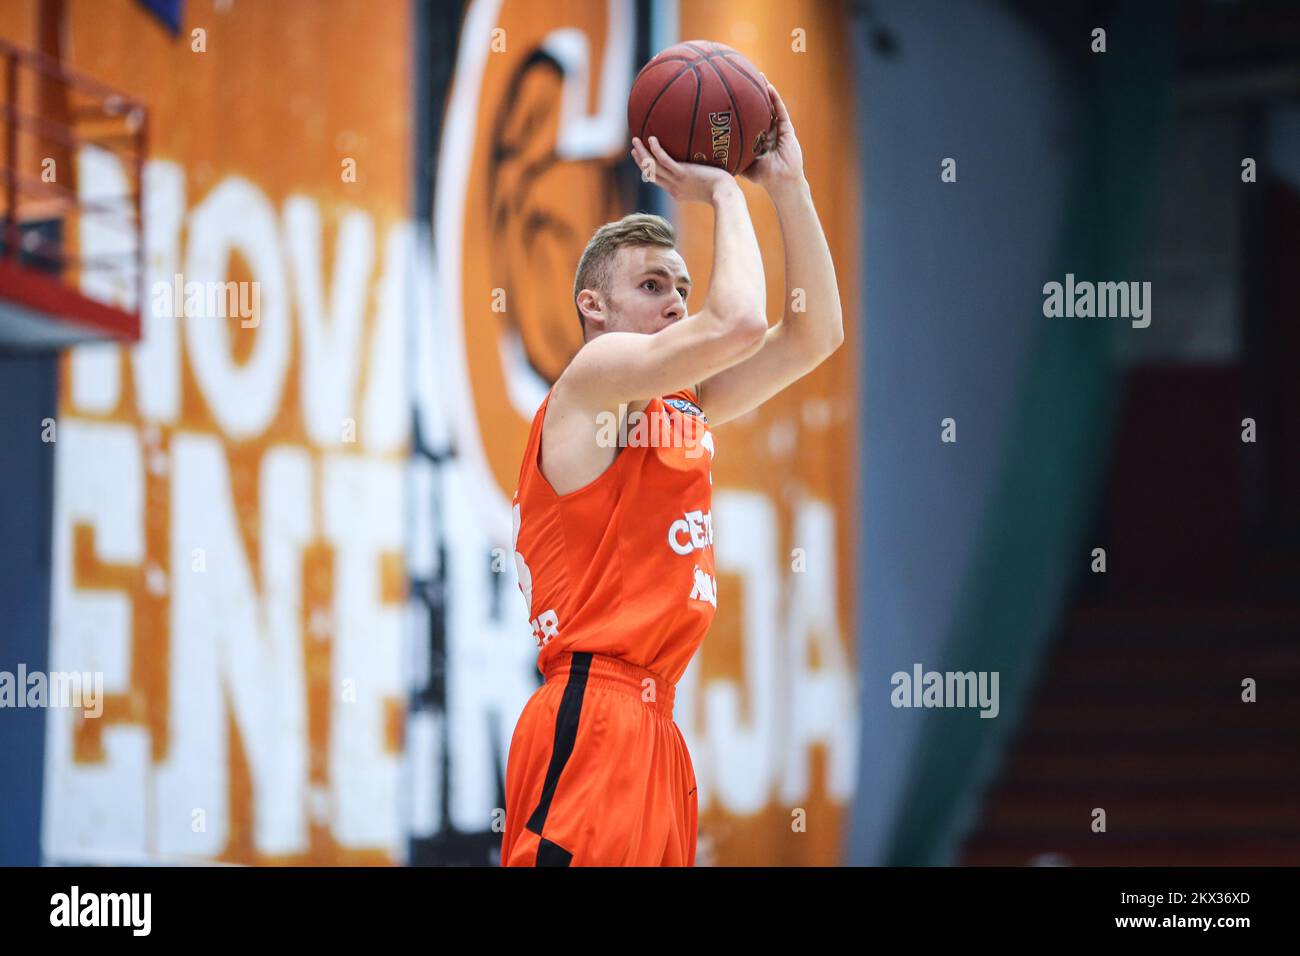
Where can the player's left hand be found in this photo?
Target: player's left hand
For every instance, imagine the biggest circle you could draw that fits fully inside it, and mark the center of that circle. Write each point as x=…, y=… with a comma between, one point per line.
x=783, y=161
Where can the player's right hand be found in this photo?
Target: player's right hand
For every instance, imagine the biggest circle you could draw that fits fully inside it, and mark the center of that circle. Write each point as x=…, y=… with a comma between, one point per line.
x=685, y=182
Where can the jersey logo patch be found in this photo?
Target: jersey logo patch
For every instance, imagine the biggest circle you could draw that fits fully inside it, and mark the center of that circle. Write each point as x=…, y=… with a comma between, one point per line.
x=687, y=408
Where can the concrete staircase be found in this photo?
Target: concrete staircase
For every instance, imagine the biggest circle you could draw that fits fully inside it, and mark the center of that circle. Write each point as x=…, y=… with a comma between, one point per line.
x=1138, y=709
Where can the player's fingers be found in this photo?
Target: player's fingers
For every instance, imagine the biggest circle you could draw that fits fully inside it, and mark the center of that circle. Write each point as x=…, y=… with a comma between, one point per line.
x=771, y=93
x=651, y=169
x=644, y=161
x=782, y=114
x=667, y=162
x=658, y=153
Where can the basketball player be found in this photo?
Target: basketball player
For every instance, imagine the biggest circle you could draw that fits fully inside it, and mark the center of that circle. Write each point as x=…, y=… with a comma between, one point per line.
x=613, y=537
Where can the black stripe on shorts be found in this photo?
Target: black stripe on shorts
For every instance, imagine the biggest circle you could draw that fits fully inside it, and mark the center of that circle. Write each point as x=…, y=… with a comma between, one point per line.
x=566, y=733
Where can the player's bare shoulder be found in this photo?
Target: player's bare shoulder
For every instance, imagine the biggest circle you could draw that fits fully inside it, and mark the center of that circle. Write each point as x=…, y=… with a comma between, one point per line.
x=572, y=455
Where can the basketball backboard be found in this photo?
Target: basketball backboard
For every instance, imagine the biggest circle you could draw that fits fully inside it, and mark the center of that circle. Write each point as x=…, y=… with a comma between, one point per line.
x=71, y=259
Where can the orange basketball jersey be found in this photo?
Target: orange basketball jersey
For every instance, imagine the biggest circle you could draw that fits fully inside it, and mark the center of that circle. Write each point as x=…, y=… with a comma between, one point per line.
x=624, y=565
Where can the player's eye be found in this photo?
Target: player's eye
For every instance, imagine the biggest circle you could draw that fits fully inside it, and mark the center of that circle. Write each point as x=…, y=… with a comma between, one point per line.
x=650, y=282
x=684, y=293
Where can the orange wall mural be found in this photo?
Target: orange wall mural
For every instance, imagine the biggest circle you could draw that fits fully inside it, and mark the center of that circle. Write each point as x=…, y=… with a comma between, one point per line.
x=241, y=530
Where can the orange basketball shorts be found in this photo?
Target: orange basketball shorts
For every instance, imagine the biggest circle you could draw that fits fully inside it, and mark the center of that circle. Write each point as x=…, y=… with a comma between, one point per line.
x=598, y=773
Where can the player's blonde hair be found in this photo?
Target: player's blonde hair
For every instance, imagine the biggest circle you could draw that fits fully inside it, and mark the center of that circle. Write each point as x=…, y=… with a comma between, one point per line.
x=596, y=267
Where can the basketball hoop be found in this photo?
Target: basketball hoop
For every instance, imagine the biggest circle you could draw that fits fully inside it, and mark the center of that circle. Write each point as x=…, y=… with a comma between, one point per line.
x=57, y=289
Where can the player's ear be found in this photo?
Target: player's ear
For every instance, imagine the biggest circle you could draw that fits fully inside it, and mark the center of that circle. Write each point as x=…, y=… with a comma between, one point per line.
x=593, y=310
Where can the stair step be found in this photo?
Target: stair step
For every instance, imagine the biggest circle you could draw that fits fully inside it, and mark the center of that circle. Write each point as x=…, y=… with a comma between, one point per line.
x=1192, y=762
x=1146, y=620
x=1142, y=738
x=1129, y=809
x=1150, y=848
x=1156, y=662
x=1172, y=715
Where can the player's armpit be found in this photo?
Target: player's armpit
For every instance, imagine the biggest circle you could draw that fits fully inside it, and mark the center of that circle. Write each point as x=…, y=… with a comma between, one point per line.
x=782, y=360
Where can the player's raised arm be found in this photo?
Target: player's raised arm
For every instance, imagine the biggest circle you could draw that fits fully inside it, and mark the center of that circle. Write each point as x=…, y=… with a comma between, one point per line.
x=621, y=366
x=807, y=334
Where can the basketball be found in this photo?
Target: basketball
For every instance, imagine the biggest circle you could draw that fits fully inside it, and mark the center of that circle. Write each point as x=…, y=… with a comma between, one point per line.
x=705, y=103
